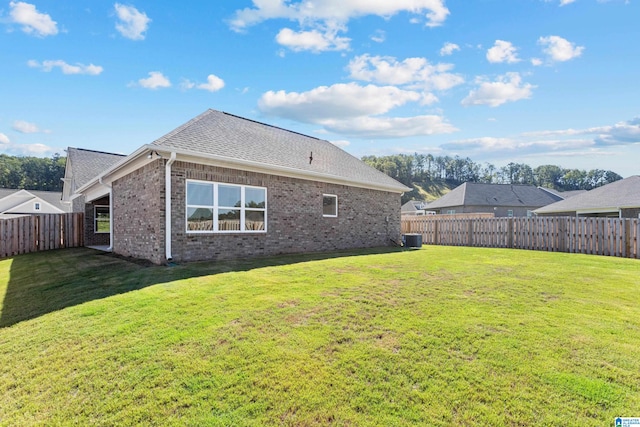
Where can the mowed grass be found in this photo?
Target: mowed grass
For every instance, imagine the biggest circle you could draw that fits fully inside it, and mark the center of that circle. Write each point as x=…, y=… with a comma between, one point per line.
x=438, y=336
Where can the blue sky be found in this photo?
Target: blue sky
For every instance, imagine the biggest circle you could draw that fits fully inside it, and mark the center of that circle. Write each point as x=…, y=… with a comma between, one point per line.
x=531, y=81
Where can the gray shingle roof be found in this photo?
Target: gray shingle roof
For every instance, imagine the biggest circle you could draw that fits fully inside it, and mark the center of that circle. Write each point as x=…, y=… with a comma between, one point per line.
x=87, y=164
x=216, y=133
x=620, y=194
x=505, y=195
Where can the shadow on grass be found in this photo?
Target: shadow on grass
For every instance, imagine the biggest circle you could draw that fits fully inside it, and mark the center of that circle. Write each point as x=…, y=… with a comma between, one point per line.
x=44, y=282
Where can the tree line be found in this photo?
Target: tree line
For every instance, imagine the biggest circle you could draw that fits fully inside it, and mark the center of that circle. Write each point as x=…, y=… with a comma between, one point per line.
x=32, y=173
x=427, y=169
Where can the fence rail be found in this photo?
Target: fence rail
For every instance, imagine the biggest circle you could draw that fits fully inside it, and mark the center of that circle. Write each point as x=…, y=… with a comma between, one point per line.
x=35, y=233
x=598, y=236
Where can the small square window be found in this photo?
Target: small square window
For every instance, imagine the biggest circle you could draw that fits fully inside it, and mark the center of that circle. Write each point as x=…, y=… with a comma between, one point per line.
x=329, y=205
x=36, y=206
x=510, y=213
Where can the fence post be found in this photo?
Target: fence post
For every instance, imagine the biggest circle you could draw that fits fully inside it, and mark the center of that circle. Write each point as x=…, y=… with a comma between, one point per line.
x=436, y=240
x=510, y=233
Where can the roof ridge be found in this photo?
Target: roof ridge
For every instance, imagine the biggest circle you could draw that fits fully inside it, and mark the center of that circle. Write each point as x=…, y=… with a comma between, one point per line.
x=95, y=151
x=184, y=126
x=271, y=126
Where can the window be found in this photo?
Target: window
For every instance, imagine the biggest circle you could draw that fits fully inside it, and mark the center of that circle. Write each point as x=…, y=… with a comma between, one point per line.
x=529, y=213
x=236, y=208
x=36, y=206
x=101, y=223
x=329, y=205
x=451, y=212
x=510, y=213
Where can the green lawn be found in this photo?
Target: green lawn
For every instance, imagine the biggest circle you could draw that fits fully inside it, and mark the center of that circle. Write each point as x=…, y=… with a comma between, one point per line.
x=437, y=336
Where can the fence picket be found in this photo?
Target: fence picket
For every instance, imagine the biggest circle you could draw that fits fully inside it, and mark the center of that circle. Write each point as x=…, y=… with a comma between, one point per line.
x=597, y=236
x=40, y=232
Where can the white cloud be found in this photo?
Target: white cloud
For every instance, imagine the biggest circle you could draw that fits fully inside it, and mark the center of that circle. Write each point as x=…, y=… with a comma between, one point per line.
x=448, y=49
x=213, y=84
x=621, y=133
x=155, y=80
x=379, y=36
x=340, y=11
x=559, y=49
x=507, y=88
x=47, y=66
x=340, y=100
x=132, y=23
x=27, y=127
x=536, y=62
x=502, y=51
x=416, y=72
x=520, y=144
x=24, y=149
x=350, y=109
x=564, y=142
x=32, y=21
x=391, y=127
x=341, y=143
x=315, y=40
x=566, y=2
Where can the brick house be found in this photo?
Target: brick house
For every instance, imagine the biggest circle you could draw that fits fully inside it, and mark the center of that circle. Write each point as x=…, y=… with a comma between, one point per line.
x=221, y=186
x=81, y=167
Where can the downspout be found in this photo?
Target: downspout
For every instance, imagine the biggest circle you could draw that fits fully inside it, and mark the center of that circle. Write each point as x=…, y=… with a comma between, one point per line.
x=167, y=206
x=110, y=249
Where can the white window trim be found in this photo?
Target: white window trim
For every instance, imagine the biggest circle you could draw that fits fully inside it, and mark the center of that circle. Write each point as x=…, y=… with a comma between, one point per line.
x=95, y=219
x=36, y=206
x=215, y=208
x=335, y=197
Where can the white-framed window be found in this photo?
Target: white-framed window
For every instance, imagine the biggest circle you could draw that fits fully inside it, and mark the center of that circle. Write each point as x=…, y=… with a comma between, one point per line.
x=529, y=213
x=215, y=207
x=101, y=223
x=451, y=211
x=510, y=213
x=36, y=206
x=329, y=205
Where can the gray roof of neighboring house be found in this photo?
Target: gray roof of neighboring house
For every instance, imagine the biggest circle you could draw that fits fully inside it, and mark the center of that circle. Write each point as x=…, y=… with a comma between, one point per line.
x=506, y=195
x=414, y=206
x=87, y=164
x=620, y=194
x=216, y=133
x=563, y=194
x=54, y=198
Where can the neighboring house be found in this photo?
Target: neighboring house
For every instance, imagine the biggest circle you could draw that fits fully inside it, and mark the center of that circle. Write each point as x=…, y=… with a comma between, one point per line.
x=82, y=166
x=563, y=194
x=222, y=186
x=415, y=207
x=30, y=202
x=503, y=200
x=619, y=199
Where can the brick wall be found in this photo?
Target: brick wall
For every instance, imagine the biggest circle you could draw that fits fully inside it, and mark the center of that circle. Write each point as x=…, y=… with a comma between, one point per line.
x=294, y=217
x=138, y=213
x=91, y=238
x=366, y=218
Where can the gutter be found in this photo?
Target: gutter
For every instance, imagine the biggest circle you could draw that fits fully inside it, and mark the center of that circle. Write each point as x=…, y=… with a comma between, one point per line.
x=167, y=206
x=110, y=248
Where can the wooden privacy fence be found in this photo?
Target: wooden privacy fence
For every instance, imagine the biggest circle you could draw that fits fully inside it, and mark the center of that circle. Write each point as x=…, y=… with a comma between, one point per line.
x=35, y=233
x=598, y=236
